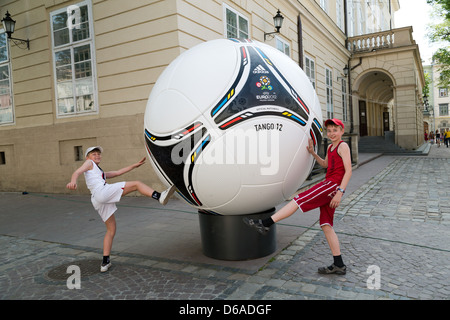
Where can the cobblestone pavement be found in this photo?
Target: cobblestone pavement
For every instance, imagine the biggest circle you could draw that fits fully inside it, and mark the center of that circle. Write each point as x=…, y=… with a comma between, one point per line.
x=393, y=231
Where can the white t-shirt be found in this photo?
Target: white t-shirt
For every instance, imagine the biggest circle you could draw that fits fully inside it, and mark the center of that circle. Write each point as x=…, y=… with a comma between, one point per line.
x=104, y=195
x=95, y=178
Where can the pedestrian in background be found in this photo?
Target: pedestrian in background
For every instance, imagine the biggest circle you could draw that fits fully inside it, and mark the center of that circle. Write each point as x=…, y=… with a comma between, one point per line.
x=447, y=137
x=438, y=138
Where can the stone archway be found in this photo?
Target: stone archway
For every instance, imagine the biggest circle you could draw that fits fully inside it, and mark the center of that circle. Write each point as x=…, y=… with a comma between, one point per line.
x=394, y=57
x=375, y=93
x=390, y=94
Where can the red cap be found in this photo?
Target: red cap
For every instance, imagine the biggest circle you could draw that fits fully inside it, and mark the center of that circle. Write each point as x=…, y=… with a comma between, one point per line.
x=334, y=121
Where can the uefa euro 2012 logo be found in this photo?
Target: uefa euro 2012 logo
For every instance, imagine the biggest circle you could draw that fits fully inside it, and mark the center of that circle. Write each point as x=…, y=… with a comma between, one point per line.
x=264, y=83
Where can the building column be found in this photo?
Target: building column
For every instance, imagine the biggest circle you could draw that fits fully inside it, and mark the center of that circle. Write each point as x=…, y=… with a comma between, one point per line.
x=406, y=130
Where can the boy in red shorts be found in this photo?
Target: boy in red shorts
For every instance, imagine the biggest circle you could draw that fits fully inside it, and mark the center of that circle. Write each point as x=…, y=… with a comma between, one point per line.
x=325, y=195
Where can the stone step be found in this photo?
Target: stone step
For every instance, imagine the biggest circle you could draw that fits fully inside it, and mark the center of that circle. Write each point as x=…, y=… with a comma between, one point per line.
x=378, y=144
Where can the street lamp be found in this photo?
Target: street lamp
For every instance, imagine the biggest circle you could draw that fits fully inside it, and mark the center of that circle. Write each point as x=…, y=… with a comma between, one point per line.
x=9, y=25
x=345, y=73
x=278, y=22
x=346, y=70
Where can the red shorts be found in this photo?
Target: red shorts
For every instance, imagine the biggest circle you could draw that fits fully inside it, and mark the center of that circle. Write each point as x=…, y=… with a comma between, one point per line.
x=319, y=196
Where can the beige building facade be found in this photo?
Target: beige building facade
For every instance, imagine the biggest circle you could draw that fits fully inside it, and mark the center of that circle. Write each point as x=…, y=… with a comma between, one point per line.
x=437, y=117
x=387, y=81
x=91, y=66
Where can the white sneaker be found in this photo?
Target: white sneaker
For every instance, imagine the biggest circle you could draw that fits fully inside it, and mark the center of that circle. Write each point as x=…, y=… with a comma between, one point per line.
x=166, y=194
x=105, y=267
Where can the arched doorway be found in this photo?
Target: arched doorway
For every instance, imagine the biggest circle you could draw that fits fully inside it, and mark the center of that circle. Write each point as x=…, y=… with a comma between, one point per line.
x=375, y=108
x=426, y=127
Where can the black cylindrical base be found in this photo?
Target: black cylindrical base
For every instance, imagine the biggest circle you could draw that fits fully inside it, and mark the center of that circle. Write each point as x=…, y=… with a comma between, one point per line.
x=229, y=238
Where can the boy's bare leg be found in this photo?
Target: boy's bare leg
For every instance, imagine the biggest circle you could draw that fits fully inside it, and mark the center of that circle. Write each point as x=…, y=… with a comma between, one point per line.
x=145, y=190
x=285, y=212
x=142, y=188
x=109, y=236
x=263, y=226
x=338, y=266
x=332, y=239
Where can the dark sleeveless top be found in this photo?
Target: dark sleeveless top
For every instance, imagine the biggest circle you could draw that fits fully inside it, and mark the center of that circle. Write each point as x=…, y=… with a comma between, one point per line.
x=336, y=169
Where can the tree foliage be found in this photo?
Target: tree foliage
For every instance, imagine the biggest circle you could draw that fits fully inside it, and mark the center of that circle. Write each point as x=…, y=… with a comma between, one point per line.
x=444, y=4
x=441, y=33
x=426, y=88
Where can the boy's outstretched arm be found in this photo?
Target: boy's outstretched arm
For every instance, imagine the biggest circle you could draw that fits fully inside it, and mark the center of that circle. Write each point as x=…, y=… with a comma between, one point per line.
x=112, y=174
x=87, y=165
x=323, y=163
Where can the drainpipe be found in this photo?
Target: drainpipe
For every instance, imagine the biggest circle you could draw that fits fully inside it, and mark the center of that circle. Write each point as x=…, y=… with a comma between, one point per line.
x=352, y=127
x=350, y=90
x=390, y=15
x=300, y=42
x=348, y=63
x=346, y=24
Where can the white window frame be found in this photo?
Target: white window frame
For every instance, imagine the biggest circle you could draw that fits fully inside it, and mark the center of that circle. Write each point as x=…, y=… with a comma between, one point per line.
x=329, y=92
x=324, y=5
x=339, y=10
x=360, y=19
x=351, y=19
x=71, y=45
x=309, y=61
x=238, y=15
x=7, y=63
x=285, y=46
x=443, y=109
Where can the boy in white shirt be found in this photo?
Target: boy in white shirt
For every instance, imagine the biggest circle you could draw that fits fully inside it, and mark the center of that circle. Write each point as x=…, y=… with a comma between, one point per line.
x=104, y=195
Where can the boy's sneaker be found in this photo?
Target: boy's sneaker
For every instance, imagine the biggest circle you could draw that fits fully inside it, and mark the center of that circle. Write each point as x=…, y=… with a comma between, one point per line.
x=256, y=224
x=166, y=194
x=333, y=269
x=105, y=267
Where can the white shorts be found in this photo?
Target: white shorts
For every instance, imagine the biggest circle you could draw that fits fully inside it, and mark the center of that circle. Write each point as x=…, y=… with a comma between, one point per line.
x=104, y=200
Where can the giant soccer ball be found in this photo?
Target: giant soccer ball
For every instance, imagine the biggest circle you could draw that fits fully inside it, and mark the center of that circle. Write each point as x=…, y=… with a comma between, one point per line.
x=228, y=123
